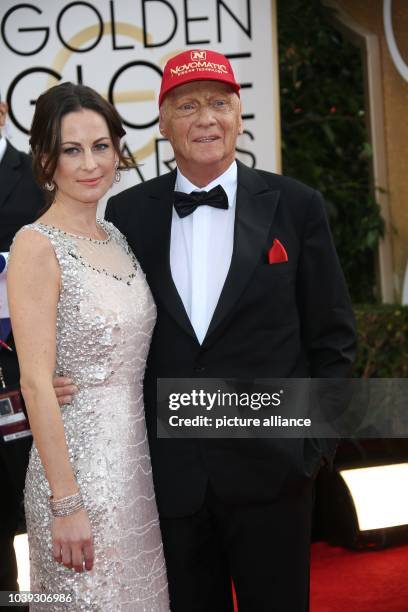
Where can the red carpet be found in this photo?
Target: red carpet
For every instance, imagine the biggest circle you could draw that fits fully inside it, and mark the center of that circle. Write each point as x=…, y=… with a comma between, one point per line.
x=346, y=581
x=375, y=581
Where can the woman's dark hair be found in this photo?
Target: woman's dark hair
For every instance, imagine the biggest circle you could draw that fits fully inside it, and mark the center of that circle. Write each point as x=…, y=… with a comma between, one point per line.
x=45, y=134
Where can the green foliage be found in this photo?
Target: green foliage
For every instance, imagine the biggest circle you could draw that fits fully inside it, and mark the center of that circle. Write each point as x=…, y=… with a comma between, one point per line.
x=382, y=350
x=324, y=136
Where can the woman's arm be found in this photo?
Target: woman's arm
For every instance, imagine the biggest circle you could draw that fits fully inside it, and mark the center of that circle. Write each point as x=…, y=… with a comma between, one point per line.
x=33, y=280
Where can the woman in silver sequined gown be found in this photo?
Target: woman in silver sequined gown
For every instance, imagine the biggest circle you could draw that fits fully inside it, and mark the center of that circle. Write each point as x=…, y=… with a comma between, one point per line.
x=104, y=322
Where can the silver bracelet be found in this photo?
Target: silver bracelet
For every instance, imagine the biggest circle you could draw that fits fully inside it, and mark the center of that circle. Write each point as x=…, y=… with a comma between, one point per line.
x=66, y=505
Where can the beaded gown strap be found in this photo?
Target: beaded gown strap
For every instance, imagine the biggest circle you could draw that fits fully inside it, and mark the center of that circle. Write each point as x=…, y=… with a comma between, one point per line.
x=62, y=246
x=58, y=240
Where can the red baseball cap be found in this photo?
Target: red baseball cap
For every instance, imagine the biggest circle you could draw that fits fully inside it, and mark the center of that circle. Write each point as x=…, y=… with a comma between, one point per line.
x=196, y=65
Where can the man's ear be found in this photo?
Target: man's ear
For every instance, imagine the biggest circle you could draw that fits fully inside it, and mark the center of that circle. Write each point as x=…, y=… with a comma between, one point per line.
x=3, y=113
x=240, y=123
x=162, y=122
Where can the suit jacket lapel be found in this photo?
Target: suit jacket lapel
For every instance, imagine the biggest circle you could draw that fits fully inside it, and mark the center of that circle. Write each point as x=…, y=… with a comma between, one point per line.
x=255, y=208
x=9, y=172
x=157, y=261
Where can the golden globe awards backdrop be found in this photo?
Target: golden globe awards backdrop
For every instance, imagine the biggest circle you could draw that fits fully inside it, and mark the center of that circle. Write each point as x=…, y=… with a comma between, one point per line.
x=119, y=47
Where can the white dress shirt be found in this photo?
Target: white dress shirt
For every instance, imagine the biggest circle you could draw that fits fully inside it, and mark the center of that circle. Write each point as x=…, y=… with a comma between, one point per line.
x=201, y=249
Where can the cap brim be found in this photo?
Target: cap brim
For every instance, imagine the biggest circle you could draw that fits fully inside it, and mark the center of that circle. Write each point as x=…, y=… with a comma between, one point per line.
x=234, y=86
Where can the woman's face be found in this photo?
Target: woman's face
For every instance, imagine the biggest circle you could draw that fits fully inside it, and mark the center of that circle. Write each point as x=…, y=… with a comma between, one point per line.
x=86, y=163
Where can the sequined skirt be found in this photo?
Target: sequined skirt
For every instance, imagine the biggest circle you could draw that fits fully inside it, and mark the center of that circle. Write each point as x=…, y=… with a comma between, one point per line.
x=106, y=436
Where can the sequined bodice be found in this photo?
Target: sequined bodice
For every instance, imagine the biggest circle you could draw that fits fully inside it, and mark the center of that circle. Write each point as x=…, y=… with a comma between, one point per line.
x=103, y=291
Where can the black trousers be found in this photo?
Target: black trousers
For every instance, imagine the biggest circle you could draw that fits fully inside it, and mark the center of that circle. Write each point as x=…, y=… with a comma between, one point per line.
x=13, y=464
x=264, y=549
x=8, y=521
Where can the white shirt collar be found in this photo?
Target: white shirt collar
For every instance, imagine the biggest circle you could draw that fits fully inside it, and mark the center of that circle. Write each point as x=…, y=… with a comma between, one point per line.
x=3, y=147
x=227, y=180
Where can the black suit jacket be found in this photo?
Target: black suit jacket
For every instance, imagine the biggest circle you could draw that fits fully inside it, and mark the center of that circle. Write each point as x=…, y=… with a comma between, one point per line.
x=20, y=202
x=291, y=319
x=20, y=197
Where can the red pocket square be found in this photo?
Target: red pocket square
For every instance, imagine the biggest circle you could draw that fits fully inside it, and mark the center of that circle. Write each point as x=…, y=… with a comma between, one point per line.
x=277, y=253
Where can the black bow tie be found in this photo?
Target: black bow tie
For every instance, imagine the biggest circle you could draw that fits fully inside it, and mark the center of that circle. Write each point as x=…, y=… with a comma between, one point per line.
x=186, y=203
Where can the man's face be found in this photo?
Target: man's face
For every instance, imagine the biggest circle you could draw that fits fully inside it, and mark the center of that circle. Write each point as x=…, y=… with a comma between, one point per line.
x=202, y=121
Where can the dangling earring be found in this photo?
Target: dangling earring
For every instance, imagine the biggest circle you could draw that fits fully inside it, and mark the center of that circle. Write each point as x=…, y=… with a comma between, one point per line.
x=117, y=173
x=49, y=185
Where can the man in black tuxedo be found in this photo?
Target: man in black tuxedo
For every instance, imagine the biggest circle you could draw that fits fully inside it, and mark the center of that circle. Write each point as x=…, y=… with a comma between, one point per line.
x=20, y=197
x=20, y=203
x=229, y=307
